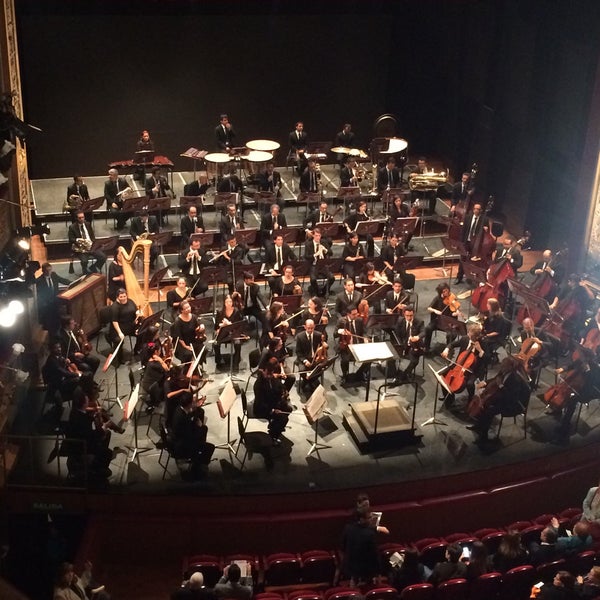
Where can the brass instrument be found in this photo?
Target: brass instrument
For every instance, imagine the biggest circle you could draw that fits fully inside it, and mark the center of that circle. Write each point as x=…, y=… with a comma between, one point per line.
x=73, y=202
x=427, y=181
x=82, y=245
x=144, y=236
x=134, y=291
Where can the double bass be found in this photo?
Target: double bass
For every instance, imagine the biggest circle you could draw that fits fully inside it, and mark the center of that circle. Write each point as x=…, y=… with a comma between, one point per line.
x=496, y=276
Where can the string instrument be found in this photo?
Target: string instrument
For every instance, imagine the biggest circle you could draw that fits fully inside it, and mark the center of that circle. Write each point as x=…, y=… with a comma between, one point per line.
x=345, y=339
x=83, y=341
x=480, y=402
x=166, y=347
x=591, y=342
x=376, y=277
x=568, y=309
x=363, y=304
x=72, y=367
x=200, y=333
x=455, y=377
x=570, y=384
x=451, y=302
x=402, y=304
x=496, y=276
x=529, y=348
x=101, y=416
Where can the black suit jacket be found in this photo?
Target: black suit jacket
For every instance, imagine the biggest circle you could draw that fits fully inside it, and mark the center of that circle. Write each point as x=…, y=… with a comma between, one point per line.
x=345, y=177
x=226, y=227
x=347, y=140
x=137, y=228
x=390, y=255
x=418, y=328
x=264, y=185
x=343, y=323
x=83, y=191
x=305, y=182
x=286, y=252
x=390, y=302
x=195, y=189
x=185, y=266
x=224, y=137
x=188, y=227
x=309, y=249
x=46, y=294
x=187, y=437
x=163, y=187
x=458, y=194
x=559, y=271
x=111, y=189
x=383, y=178
x=298, y=143
x=75, y=232
x=477, y=231
x=514, y=254
x=303, y=348
x=231, y=184
x=342, y=303
x=254, y=294
x=266, y=224
x=312, y=220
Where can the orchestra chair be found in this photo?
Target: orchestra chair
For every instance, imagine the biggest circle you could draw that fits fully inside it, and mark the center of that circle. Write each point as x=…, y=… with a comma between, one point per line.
x=531, y=534
x=520, y=412
x=517, y=582
x=433, y=553
x=104, y=318
x=342, y=593
x=253, y=441
x=418, y=591
x=253, y=361
x=569, y=517
x=319, y=567
x=486, y=587
x=382, y=593
x=156, y=394
x=167, y=447
x=492, y=540
x=453, y=589
x=210, y=566
x=547, y=571
x=282, y=569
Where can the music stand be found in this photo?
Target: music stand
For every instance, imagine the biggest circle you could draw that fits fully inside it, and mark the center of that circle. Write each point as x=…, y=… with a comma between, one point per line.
x=453, y=247
x=314, y=408
x=331, y=265
x=530, y=300
x=92, y=204
x=201, y=306
x=225, y=403
x=290, y=234
x=186, y=201
x=158, y=205
x=110, y=361
x=348, y=195
x=149, y=320
x=131, y=409
x=155, y=281
x=475, y=274
x=405, y=226
x=246, y=236
x=451, y=325
x=329, y=230
x=264, y=199
x=214, y=276
x=229, y=334
x=206, y=238
x=195, y=155
x=388, y=193
x=440, y=382
x=290, y=303
x=374, y=227
x=222, y=199
x=308, y=198
x=383, y=322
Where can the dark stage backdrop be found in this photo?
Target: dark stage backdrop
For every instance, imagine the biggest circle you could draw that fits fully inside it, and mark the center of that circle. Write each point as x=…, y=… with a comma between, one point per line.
x=93, y=82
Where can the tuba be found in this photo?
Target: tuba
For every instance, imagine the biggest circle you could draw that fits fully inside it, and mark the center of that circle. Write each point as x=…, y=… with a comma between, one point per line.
x=134, y=291
x=427, y=181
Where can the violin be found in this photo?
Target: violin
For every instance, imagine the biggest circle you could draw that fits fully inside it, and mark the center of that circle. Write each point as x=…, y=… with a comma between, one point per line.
x=363, y=310
x=101, y=416
x=83, y=341
x=200, y=332
x=451, y=303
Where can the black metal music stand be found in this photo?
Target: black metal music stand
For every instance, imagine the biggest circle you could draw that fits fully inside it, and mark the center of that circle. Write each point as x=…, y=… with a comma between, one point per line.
x=88, y=206
x=475, y=274
x=329, y=230
x=389, y=193
x=380, y=352
x=135, y=204
x=349, y=195
x=131, y=408
x=246, y=236
x=373, y=226
x=383, y=322
x=112, y=362
x=308, y=198
x=264, y=200
x=225, y=404
x=405, y=226
x=314, y=408
x=454, y=247
x=331, y=265
x=206, y=238
x=186, y=201
x=159, y=205
x=229, y=334
x=530, y=300
x=290, y=234
x=215, y=276
x=222, y=199
x=155, y=281
x=451, y=325
x=202, y=306
x=440, y=383
x=291, y=304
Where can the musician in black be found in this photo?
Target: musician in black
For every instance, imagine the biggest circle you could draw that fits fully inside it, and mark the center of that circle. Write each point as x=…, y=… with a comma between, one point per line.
x=230, y=222
x=270, y=181
x=391, y=252
x=253, y=304
x=72, y=348
x=473, y=228
x=123, y=314
x=551, y=265
x=146, y=146
x=232, y=258
x=349, y=175
x=224, y=134
x=307, y=343
x=353, y=255
x=81, y=238
x=389, y=176
x=410, y=333
x=460, y=190
x=398, y=209
x=114, y=190
x=315, y=251
x=345, y=300
x=345, y=138
x=190, y=224
x=116, y=278
x=350, y=330
x=579, y=296
x=226, y=316
x=60, y=377
x=190, y=263
x=438, y=306
x=198, y=187
x=353, y=219
x=277, y=255
x=47, y=290
x=285, y=285
x=232, y=184
x=510, y=250
x=275, y=349
x=270, y=223
x=77, y=193
x=141, y=227
x=298, y=142
x=310, y=178
x=157, y=185
x=494, y=327
x=188, y=334
x=316, y=216
x=397, y=299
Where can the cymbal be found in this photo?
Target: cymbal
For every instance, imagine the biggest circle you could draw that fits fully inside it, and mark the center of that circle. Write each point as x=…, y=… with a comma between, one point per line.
x=144, y=151
x=263, y=145
x=258, y=156
x=341, y=150
x=396, y=145
x=358, y=152
x=217, y=157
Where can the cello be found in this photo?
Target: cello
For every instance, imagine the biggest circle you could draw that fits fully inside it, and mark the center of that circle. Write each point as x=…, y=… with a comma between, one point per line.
x=465, y=363
x=571, y=384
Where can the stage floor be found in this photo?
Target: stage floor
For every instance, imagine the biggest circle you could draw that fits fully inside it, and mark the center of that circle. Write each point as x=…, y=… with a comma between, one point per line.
x=443, y=449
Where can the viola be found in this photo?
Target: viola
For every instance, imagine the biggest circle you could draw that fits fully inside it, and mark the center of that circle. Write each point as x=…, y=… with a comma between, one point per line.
x=363, y=310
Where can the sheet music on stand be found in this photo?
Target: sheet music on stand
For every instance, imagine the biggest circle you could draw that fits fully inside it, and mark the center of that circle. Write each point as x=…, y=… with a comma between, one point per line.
x=372, y=352
x=315, y=405
x=226, y=399
x=131, y=402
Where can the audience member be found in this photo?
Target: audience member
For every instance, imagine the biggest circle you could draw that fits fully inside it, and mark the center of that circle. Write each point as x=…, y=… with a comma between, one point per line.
x=510, y=553
x=591, y=511
x=194, y=589
x=562, y=588
x=233, y=585
x=579, y=541
x=544, y=551
x=589, y=586
x=410, y=572
x=69, y=586
x=451, y=568
x=479, y=562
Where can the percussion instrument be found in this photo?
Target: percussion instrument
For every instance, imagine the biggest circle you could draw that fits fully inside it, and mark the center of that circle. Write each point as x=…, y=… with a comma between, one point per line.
x=396, y=145
x=357, y=152
x=263, y=145
x=341, y=150
x=255, y=161
x=215, y=162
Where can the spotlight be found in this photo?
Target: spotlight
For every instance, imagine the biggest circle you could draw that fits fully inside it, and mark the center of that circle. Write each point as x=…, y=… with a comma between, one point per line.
x=7, y=317
x=23, y=244
x=16, y=306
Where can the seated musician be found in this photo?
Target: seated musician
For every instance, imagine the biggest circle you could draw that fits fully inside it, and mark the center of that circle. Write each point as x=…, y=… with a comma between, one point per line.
x=348, y=174
x=316, y=216
x=398, y=209
x=140, y=229
x=298, y=142
x=229, y=314
x=350, y=329
x=87, y=443
x=551, y=265
x=287, y=284
x=276, y=349
x=116, y=279
x=270, y=223
x=310, y=179
x=370, y=277
x=389, y=176
x=507, y=392
x=469, y=344
x=251, y=299
x=146, y=341
x=230, y=222
x=232, y=258
x=575, y=296
x=539, y=346
x=472, y=230
x=81, y=239
x=190, y=224
x=410, y=333
x=397, y=299
x=277, y=254
x=198, y=187
x=114, y=191
x=510, y=250
x=188, y=435
x=271, y=400
x=347, y=298
x=276, y=324
x=190, y=263
x=178, y=294
x=307, y=344
x=270, y=181
x=157, y=185
x=460, y=191
x=72, y=347
x=421, y=167
x=441, y=304
x=315, y=251
x=123, y=315
x=176, y=391
x=224, y=135
x=354, y=257
x=144, y=144
x=590, y=338
x=77, y=193
x=391, y=252
x=317, y=312
x=345, y=138
x=351, y=223
x=188, y=334
x=494, y=327
x=232, y=184
x=155, y=373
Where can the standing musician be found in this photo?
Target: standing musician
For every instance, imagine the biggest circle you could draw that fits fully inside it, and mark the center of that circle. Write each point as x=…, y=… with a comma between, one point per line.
x=349, y=174
x=141, y=227
x=345, y=138
x=285, y=285
x=224, y=134
x=157, y=185
x=308, y=343
x=198, y=187
x=252, y=302
x=75, y=347
x=397, y=299
x=460, y=190
x=311, y=177
x=345, y=300
x=550, y=265
x=270, y=181
x=571, y=302
x=81, y=239
x=410, y=333
x=271, y=399
x=229, y=314
x=114, y=191
x=391, y=252
x=472, y=230
x=298, y=142
x=389, y=176
x=230, y=222
x=353, y=255
x=77, y=193
x=270, y=223
x=315, y=251
x=144, y=144
x=276, y=350
x=350, y=330
x=508, y=392
x=188, y=334
x=443, y=303
x=467, y=344
x=276, y=324
x=190, y=263
x=116, y=278
x=123, y=315
x=190, y=224
x=46, y=286
x=353, y=219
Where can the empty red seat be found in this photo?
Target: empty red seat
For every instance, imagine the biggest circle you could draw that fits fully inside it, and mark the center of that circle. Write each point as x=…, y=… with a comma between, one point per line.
x=517, y=583
x=434, y=553
x=519, y=525
x=318, y=566
x=304, y=595
x=492, y=540
x=486, y=587
x=209, y=565
x=569, y=513
x=420, y=544
x=282, y=569
x=481, y=533
x=268, y=596
x=382, y=593
x=453, y=589
x=454, y=537
x=342, y=593
x=544, y=519
x=418, y=591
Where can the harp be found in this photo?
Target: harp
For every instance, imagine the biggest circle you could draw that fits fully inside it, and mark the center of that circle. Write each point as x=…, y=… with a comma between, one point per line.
x=134, y=291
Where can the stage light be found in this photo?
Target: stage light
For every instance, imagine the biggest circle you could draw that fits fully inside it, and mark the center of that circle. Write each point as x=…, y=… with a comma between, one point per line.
x=7, y=317
x=23, y=244
x=16, y=306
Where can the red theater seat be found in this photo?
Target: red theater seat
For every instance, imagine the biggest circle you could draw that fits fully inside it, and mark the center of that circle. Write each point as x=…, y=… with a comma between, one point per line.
x=453, y=589
x=543, y=519
x=492, y=540
x=517, y=583
x=486, y=587
x=531, y=534
x=318, y=566
x=454, y=537
x=282, y=569
x=386, y=550
x=420, y=544
x=569, y=513
x=547, y=571
x=342, y=593
x=519, y=525
x=581, y=563
x=419, y=591
x=209, y=565
x=383, y=593
x=304, y=595
x=481, y=533
x=268, y=596
x=434, y=553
